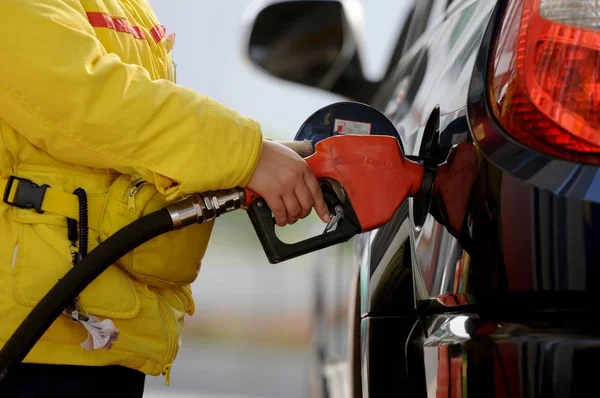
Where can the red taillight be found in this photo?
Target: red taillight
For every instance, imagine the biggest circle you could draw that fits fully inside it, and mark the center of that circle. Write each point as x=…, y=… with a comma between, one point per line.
x=545, y=76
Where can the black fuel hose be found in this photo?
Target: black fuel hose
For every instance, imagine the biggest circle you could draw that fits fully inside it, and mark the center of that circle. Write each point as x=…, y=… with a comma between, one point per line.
x=76, y=280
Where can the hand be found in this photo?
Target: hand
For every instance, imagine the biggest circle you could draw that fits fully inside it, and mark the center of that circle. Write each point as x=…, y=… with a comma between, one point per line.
x=287, y=184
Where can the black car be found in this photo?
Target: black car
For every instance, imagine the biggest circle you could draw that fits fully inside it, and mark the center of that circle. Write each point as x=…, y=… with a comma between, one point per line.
x=501, y=301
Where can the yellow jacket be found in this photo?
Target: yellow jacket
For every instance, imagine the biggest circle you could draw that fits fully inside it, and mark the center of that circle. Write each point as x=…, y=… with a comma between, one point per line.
x=87, y=94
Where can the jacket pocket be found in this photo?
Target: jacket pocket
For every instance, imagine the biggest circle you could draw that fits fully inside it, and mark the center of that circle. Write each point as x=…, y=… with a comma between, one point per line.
x=42, y=256
x=171, y=259
x=180, y=298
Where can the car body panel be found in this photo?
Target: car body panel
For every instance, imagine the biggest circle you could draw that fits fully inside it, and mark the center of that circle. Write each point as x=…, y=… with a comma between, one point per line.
x=450, y=52
x=466, y=356
x=394, y=259
x=503, y=306
x=527, y=246
x=383, y=366
x=531, y=222
x=551, y=206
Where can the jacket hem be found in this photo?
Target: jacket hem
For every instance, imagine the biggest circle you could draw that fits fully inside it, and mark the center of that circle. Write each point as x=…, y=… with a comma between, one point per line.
x=48, y=352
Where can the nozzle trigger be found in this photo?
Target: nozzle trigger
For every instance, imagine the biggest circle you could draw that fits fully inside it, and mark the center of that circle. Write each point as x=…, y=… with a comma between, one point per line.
x=337, y=214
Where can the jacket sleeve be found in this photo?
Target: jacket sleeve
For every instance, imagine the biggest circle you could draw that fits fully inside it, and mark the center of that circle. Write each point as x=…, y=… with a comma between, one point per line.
x=67, y=95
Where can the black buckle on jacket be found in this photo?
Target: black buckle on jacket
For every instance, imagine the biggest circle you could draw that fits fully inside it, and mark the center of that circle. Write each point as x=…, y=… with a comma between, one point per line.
x=29, y=195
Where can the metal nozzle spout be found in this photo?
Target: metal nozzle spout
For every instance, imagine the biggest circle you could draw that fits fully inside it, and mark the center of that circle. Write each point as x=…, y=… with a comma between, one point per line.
x=200, y=208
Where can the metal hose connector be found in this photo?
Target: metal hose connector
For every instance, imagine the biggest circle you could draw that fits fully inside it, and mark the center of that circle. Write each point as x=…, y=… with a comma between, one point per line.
x=200, y=208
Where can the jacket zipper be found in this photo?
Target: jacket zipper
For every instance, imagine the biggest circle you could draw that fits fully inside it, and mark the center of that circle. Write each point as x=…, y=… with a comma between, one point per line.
x=131, y=195
x=171, y=351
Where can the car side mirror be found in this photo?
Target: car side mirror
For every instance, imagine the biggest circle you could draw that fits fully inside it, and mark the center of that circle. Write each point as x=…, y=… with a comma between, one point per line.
x=312, y=43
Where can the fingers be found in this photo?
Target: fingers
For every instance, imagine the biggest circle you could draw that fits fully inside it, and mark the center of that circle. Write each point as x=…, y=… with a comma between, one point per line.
x=305, y=198
x=287, y=184
x=293, y=207
x=299, y=202
x=278, y=209
x=309, y=194
x=317, y=197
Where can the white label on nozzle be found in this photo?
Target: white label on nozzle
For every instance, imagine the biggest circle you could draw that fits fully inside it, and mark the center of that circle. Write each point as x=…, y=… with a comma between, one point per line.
x=342, y=126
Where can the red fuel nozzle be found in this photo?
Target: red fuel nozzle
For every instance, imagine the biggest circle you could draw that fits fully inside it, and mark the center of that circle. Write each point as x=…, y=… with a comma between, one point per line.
x=364, y=178
x=372, y=171
x=373, y=178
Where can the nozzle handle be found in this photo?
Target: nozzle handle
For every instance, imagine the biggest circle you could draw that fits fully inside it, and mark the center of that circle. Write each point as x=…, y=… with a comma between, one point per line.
x=277, y=251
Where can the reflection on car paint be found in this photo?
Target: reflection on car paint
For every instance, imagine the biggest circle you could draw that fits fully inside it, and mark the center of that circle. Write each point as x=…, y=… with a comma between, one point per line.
x=479, y=358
